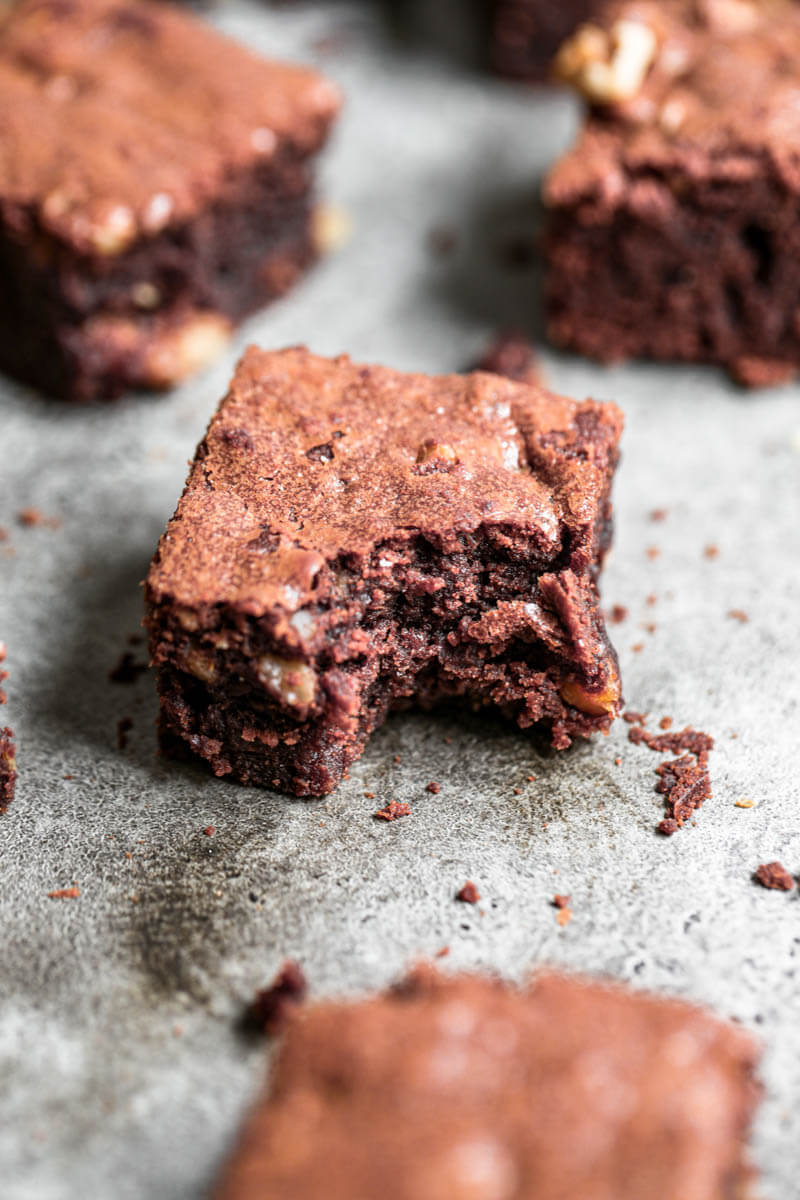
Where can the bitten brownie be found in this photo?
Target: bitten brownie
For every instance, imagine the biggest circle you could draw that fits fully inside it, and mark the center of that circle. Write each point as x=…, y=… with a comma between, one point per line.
x=467, y=1087
x=673, y=222
x=525, y=34
x=154, y=188
x=352, y=538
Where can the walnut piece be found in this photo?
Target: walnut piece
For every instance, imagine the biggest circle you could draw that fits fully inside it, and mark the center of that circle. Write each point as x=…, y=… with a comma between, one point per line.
x=608, y=66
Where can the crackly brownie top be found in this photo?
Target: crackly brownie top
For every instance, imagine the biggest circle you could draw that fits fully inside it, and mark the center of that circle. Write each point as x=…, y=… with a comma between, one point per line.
x=311, y=463
x=120, y=117
x=467, y=1087
x=708, y=87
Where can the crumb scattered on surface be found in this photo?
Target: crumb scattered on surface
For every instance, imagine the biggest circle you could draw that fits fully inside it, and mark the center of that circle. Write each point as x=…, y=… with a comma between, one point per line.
x=210, y=830
x=4, y=535
x=392, y=811
x=433, y=787
x=685, y=785
x=651, y=599
x=561, y=901
x=652, y=552
x=774, y=875
x=70, y=893
x=658, y=514
x=665, y=723
x=668, y=826
x=124, y=726
x=32, y=518
x=635, y=718
x=618, y=614
x=369, y=795
x=272, y=1005
x=738, y=614
x=744, y=803
x=443, y=953
x=469, y=894
x=691, y=740
x=510, y=354
x=127, y=669
x=637, y=647
x=564, y=916
x=711, y=552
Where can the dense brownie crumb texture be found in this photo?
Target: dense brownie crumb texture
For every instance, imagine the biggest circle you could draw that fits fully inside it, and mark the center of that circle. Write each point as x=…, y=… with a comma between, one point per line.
x=154, y=188
x=673, y=230
x=467, y=1087
x=352, y=539
x=525, y=34
x=8, y=752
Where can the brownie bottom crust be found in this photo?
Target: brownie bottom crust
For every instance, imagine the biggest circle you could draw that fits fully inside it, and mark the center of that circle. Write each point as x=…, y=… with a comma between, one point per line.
x=86, y=329
x=712, y=278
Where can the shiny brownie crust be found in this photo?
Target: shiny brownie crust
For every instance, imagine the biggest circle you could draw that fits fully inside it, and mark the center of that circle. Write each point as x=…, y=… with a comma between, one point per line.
x=353, y=539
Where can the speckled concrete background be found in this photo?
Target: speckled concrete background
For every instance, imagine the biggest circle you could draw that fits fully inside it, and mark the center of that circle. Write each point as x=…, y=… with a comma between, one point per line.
x=122, y=1075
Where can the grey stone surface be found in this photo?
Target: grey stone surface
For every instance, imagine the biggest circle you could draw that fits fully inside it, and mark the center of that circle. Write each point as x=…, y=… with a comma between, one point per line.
x=122, y=1075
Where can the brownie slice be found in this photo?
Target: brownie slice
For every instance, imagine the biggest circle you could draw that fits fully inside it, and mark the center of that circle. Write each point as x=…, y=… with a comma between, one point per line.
x=467, y=1087
x=673, y=222
x=155, y=182
x=352, y=538
x=525, y=34
x=8, y=767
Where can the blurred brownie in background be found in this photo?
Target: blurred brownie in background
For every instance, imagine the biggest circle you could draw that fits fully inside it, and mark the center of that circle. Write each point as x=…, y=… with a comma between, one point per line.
x=525, y=34
x=155, y=187
x=673, y=222
x=466, y=1088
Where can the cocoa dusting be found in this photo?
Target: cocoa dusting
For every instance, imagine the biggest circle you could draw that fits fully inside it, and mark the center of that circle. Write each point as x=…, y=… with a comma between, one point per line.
x=469, y=894
x=774, y=875
x=272, y=1005
x=392, y=811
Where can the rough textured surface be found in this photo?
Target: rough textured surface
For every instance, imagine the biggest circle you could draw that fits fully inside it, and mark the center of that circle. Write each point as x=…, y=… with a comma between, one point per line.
x=563, y=1088
x=154, y=188
x=674, y=232
x=115, y=1015
x=352, y=538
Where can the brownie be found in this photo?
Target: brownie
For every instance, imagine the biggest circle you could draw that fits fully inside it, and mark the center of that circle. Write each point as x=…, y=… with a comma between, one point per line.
x=8, y=767
x=525, y=34
x=155, y=184
x=352, y=539
x=673, y=227
x=468, y=1087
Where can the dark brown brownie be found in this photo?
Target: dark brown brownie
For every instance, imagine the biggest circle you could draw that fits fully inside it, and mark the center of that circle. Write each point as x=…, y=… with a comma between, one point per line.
x=473, y=1089
x=353, y=538
x=673, y=222
x=8, y=767
x=525, y=34
x=154, y=188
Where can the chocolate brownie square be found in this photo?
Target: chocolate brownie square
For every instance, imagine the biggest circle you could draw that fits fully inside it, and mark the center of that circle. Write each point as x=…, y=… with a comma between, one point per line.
x=467, y=1087
x=155, y=182
x=525, y=34
x=353, y=538
x=673, y=222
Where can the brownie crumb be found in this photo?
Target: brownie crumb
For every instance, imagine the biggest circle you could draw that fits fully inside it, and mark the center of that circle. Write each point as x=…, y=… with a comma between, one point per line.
x=564, y=916
x=433, y=787
x=658, y=514
x=634, y=718
x=688, y=739
x=652, y=552
x=711, y=552
x=512, y=355
x=738, y=614
x=70, y=893
x=774, y=875
x=665, y=723
x=685, y=785
x=469, y=894
x=209, y=830
x=127, y=669
x=392, y=811
x=651, y=599
x=560, y=901
x=8, y=767
x=124, y=726
x=272, y=1005
x=32, y=518
x=4, y=534
x=668, y=826
x=637, y=647
x=744, y=804
x=443, y=953
x=618, y=614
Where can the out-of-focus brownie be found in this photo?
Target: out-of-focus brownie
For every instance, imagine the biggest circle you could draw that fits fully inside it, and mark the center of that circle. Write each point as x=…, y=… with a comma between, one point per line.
x=352, y=538
x=525, y=34
x=467, y=1087
x=673, y=222
x=8, y=767
x=154, y=188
